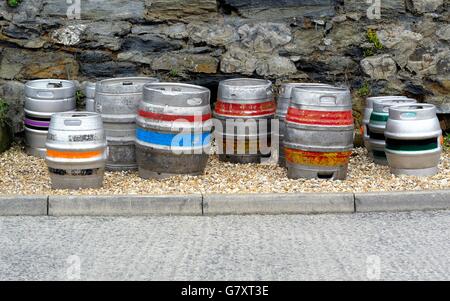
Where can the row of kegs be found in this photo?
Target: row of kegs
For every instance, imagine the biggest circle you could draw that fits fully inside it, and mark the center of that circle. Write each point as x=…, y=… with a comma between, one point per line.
x=164, y=129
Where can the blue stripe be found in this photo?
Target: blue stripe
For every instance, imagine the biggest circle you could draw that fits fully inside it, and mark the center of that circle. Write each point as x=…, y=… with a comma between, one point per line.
x=177, y=140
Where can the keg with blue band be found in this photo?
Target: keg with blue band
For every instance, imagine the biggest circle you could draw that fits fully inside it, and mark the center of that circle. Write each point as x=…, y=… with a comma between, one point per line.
x=174, y=140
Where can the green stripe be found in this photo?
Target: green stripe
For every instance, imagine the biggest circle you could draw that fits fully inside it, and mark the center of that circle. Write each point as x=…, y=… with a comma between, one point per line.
x=379, y=117
x=412, y=148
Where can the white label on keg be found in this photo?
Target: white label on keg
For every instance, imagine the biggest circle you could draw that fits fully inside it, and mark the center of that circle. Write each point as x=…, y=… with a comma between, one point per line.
x=194, y=101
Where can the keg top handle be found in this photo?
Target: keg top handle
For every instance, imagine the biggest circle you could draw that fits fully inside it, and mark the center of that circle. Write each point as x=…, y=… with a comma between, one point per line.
x=50, y=88
x=370, y=100
x=383, y=104
x=412, y=111
x=252, y=88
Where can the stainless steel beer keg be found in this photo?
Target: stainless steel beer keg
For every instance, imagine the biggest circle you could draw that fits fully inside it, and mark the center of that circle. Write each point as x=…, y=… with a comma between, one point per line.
x=89, y=92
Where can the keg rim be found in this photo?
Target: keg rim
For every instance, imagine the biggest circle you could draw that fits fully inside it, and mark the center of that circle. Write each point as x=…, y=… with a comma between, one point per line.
x=263, y=83
x=31, y=85
x=152, y=87
x=322, y=89
x=286, y=87
x=77, y=114
x=388, y=96
x=380, y=104
x=410, y=107
x=102, y=86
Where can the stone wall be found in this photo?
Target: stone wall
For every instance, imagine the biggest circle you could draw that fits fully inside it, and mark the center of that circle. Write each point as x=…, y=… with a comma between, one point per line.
x=405, y=51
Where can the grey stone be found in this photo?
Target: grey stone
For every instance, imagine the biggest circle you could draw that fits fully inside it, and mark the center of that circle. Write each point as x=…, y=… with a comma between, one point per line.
x=379, y=67
x=198, y=63
x=69, y=35
x=402, y=201
x=27, y=11
x=180, y=10
x=149, y=43
x=275, y=66
x=425, y=6
x=101, y=42
x=175, y=31
x=127, y=205
x=213, y=33
x=237, y=60
x=13, y=93
x=108, y=69
x=277, y=203
x=444, y=32
x=23, y=205
x=305, y=42
x=264, y=37
x=117, y=28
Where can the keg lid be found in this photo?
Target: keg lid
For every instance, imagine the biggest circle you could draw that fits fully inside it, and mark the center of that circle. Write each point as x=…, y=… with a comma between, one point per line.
x=245, y=89
x=286, y=89
x=414, y=111
x=176, y=94
x=50, y=89
x=383, y=104
x=324, y=96
x=76, y=121
x=372, y=99
x=123, y=85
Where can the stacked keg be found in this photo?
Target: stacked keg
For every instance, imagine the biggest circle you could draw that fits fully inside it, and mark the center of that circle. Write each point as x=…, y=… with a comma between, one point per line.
x=173, y=134
x=284, y=97
x=413, y=140
x=245, y=108
x=89, y=92
x=117, y=101
x=319, y=133
x=43, y=98
x=76, y=150
x=377, y=125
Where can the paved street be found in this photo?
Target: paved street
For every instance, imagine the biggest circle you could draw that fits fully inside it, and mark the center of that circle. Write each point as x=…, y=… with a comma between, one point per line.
x=386, y=246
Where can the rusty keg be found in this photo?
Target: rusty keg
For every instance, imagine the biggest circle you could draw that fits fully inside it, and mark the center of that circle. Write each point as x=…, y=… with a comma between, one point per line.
x=244, y=109
x=89, y=92
x=319, y=133
x=173, y=134
x=76, y=150
x=117, y=101
x=377, y=125
x=413, y=140
x=368, y=109
x=284, y=97
x=43, y=98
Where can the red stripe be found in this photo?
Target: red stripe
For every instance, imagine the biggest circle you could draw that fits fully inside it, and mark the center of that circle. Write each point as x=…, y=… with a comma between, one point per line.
x=253, y=109
x=166, y=117
x=341, y=118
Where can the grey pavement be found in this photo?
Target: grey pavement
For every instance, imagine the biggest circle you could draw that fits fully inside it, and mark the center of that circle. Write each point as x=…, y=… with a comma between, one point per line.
x=363, y=246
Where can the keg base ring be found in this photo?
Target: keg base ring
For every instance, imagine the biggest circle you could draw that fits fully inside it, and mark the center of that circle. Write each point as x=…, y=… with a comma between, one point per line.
x=36, y=152
x=424, y=172
x=313, y=172
x=242, y=159
x=121, y=167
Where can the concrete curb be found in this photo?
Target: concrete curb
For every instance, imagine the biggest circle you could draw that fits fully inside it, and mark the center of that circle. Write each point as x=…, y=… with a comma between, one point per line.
x=402, y=201
x=295, y=203
x=23, y=205
x=132, y=205
x=224, y=204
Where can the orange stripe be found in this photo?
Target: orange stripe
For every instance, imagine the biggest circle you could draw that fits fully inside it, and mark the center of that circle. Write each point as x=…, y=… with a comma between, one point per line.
x=73, y=155
x=317, y=158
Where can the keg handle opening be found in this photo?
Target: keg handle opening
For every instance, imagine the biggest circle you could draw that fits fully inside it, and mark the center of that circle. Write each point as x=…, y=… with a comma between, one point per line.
x=328, y=99
x=127, y=83
x=325, y=175
x=72, y=122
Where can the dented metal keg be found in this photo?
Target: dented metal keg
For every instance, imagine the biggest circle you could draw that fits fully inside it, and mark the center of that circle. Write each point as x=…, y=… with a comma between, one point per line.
x=245, y=108
x=368, y=109
x=173, y=134
x=319, y=133
x=377, y=125
x=413, y=140
x=76, y=150
x=43, y=98
x=117, y=101
x=284, y=97
x=89, y=92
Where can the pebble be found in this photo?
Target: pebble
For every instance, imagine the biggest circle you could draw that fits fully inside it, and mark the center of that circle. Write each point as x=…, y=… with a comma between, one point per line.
x=21, y=174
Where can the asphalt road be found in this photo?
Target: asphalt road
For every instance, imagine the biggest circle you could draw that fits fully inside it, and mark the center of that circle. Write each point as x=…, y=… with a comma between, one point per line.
x=384, y=246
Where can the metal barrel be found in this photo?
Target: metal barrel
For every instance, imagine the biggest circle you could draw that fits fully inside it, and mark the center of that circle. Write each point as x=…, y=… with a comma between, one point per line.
x=173, y=134
x=245, y=108
x=377, y=126
x=413, y=140
x=117, y=100
x=319, y=133
x=76, y=150
x=43, y=98
x=368, y=109
x=283, y=99
x=89, y=92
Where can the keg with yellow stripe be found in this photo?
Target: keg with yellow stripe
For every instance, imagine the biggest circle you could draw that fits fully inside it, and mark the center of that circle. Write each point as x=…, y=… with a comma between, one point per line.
x=413, y=140
x=319, y=133
x=76, y=150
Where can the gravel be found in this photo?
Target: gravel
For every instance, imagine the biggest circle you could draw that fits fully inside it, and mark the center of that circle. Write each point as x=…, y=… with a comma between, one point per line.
x=23, y=174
